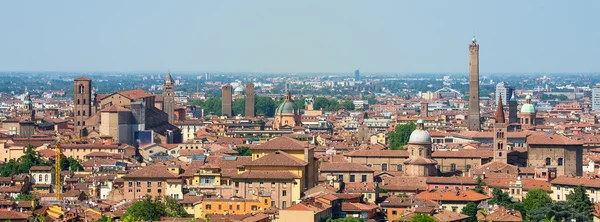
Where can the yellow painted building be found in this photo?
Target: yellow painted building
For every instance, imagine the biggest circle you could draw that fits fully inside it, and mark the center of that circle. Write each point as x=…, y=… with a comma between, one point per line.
x=235, y=206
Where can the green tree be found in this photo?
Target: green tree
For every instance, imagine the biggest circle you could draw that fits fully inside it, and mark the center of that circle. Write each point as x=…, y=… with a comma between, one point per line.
x=264, y=106
x=25, y=197
x=146, y=209
x=560, y=211
x=211, y=105
x=243, y=151
x=104, y=218
x=70, y=163
x=30, y=158
x=300, y=103
x=536, y=199
x=238, y=107
x=470, y=210
x=173, y=208
x=348, y=105
x=479, y=187
x=422, y=218
x=500, y=198
x=326, y=104
x=399, y=137
x=382, y=190
x=579, y=201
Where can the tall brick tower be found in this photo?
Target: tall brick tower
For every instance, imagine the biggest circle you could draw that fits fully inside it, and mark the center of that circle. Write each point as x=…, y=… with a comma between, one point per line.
x=250, y=100
x=474, y=121
x=226, y=100
x=500, y=140
x=82, y=110
x=169, y=97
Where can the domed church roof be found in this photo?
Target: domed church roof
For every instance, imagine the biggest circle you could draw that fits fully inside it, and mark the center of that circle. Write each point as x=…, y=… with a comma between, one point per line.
x=288, y=106
x=419, y=135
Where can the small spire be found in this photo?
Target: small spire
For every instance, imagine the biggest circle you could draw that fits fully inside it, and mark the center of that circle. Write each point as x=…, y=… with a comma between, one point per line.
x=500, y=111
x=474, y=40
x=512, y=97
x=420, y=124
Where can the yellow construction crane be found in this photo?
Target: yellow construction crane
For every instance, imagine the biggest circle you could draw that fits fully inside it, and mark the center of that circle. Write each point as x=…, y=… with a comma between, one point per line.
x=57, y=167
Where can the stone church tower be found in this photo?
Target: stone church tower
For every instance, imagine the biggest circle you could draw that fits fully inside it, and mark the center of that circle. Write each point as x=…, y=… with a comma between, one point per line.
x=82, y=109
x=474, y=118
x=500, y=142
x=169, y=97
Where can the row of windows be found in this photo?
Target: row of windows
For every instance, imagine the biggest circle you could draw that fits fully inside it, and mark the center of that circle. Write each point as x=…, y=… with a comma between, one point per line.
x=559, y=161
x=149, y=183
x=237, y=207
x=148, y=190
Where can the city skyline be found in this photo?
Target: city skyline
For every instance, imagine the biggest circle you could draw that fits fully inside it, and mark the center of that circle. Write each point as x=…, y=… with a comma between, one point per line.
x=308, y=37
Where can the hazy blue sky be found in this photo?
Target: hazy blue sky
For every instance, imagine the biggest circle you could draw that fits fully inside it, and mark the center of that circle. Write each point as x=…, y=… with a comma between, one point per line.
x=300, y=36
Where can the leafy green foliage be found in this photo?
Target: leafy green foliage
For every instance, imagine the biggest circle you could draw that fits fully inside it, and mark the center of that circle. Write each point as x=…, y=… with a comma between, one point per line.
x=579, y=201
x=470, y=210
x=243, y=151
x=348, y=105
x=326, y=104
x=536, y=199
x=153, y=209
x=104, y=218
x=499, y=197
x=479, y=187
x=238, y=107
x=25, y=197
x=381, y=190
x=264, y=106
x=399, y=137
x=70, y=163
x=211, y=105
x=422, y=218
x=560, y=211
x=300, y=103
x=30, y=158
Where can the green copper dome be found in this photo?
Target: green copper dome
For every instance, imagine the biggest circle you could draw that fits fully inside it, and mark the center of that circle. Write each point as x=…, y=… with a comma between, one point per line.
x=287, y=107
x=238, y=89
x=528, y=108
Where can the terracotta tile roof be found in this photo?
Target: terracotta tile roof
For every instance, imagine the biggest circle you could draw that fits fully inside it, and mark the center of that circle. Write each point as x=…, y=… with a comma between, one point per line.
x=449, y=216
x=5, y=179
x=187, y=199
x=282, y=143
x=41, y=168
x=277, y=158
x=464, y=153
x=98, y=154
x=228, y=167
x=158, y=172
x=404, y=183
x=378, y=153
x=528, y=184
x=359, y=187
x=14, y=215
x=358, y=206
x=135, y=94
x=590, y=182
x=114, y=108
x=462, y=195
x=266, y=174
x=489, y=134
x=554, y=139
x=344, y=167
x=451, y=180
x=407, y=202
x=500, y=213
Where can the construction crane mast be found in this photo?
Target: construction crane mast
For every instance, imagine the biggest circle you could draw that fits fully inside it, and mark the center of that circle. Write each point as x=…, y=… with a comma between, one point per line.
x=57, y=170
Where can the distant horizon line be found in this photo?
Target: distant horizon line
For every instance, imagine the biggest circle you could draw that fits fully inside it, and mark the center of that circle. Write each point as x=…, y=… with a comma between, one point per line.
x=289, y=73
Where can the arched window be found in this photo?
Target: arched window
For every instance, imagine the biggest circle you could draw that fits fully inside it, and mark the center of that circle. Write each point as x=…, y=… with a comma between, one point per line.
x=560, y=161
x=78, y=123
x=83, y=101
x=500, y=154
x=420, y=152
x=526, y=121
x=468, y=167
x=83, y=123
x=384, y=167
x=40, y=178
x=84, y=112
x=81, y=88
x=548, y=161
x=78, y=102
x=78, y=113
